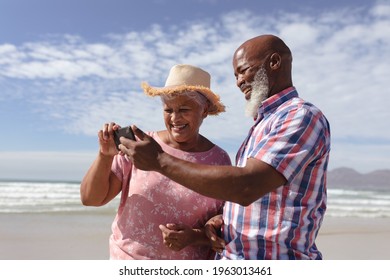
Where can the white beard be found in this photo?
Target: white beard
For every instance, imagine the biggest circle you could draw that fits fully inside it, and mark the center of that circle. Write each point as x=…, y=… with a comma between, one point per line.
x=259, y=93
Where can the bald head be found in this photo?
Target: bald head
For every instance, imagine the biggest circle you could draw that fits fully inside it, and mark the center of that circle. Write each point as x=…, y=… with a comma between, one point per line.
x=270, y=51
x=261, y=46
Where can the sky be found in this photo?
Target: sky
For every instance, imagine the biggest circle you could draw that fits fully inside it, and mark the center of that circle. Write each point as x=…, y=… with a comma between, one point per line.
x=68, y=67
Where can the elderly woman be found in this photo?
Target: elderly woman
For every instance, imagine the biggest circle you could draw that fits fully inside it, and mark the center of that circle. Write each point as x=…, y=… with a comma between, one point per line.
x=152, y=204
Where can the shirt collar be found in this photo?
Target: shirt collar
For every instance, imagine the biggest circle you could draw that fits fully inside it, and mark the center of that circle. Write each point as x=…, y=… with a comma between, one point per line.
x=276, y=100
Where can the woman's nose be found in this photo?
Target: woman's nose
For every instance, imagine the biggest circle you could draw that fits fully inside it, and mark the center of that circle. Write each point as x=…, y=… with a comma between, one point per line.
x=175, y=115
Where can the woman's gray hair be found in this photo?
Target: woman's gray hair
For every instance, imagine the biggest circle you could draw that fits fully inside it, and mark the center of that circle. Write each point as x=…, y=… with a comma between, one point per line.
x=194, y=95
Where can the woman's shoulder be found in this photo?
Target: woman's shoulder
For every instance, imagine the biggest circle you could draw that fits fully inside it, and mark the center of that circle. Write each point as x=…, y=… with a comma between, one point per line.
x=224, y=155
x=219, y=155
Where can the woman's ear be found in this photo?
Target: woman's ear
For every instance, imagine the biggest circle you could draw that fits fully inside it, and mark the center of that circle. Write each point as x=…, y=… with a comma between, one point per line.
x=206, y=108
x=206, y=111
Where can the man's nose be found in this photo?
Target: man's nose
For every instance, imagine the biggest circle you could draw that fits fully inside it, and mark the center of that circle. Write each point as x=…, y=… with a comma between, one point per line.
x=240, y=81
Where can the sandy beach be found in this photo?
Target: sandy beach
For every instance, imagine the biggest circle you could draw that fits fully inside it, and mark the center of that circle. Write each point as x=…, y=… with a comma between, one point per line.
x=60, y=236
x=355, y=238
x=84, y=236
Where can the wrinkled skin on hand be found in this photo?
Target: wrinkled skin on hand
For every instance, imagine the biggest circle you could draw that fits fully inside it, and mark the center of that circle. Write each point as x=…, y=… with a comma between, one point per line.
x=212, y=228
x=177, y=236
x=106, y=139
x=144, y=152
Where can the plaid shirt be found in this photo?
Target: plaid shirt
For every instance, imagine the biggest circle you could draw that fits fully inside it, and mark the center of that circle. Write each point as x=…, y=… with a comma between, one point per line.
x=293, y=136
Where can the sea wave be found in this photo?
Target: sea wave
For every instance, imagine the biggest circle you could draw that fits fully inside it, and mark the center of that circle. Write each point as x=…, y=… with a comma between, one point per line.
x=358, y=203
x=40, y=197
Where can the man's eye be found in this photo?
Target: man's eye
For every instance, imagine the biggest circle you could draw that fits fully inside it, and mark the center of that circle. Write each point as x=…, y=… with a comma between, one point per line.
x=245, y=69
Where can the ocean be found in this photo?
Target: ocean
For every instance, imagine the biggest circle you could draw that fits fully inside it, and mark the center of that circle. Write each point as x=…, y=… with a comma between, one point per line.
x=48, y=197
x=45, y=197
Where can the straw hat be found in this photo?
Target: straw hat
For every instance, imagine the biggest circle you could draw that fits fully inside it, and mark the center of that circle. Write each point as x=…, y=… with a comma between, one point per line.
x=184, y=77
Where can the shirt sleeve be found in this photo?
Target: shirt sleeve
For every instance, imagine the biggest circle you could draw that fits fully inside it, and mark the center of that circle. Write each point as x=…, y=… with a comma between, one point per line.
x=295, y=139
x=121, y=167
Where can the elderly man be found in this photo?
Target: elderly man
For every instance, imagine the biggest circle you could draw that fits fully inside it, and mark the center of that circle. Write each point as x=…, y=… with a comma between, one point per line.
x=276, y=194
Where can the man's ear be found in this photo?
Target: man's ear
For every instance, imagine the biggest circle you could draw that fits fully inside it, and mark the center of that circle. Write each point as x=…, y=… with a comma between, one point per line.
x=275, y=61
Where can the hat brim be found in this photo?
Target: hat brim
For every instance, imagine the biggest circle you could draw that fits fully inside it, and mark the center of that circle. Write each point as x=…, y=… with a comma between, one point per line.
x=215, y=106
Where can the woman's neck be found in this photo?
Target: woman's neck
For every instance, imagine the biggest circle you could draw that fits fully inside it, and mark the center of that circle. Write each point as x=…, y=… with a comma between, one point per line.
x=196, y=144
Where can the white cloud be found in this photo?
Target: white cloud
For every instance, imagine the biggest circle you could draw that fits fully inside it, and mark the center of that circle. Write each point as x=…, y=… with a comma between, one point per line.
x=341, y=64
x=302, y=34
x=382, y=9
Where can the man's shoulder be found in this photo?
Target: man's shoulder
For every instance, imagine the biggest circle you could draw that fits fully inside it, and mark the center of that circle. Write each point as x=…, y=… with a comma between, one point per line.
x=298, y=103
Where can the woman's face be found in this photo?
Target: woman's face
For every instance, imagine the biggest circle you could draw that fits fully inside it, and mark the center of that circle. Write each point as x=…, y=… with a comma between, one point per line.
x=183, y=117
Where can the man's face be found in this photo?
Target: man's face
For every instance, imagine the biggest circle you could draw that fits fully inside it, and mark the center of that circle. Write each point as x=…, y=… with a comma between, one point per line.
x=251, y=78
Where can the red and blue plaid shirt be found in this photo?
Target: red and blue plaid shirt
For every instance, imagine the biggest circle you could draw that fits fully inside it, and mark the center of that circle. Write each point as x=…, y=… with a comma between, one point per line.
x=293, y=136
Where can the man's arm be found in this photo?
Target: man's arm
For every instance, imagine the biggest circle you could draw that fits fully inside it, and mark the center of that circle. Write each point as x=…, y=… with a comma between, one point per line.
x=242, y=185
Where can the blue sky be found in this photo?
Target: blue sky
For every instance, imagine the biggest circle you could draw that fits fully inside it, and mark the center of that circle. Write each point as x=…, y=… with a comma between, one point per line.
x=66, y=67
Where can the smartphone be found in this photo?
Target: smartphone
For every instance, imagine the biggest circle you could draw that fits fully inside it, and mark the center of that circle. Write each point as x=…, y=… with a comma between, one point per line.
x=126, y=132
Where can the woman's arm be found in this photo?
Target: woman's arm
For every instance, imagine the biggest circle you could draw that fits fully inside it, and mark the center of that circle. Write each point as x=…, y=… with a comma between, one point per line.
x=100, y=185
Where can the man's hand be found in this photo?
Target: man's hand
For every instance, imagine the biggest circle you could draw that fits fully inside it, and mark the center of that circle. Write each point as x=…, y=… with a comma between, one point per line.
x=144, y=152
x=212, y=227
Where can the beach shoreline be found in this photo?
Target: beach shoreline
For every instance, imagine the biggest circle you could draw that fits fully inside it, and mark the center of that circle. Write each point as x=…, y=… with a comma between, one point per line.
x=84, y=236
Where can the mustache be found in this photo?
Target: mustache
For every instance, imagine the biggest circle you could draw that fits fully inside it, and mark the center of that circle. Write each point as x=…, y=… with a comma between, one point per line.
x=243, y=86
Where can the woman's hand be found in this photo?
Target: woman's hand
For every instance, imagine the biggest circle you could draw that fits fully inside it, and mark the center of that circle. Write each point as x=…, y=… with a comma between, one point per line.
x=106, y=139
x=178, y=236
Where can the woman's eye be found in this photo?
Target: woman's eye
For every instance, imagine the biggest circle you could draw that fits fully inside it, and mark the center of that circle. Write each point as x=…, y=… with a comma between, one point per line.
x=180, y=110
